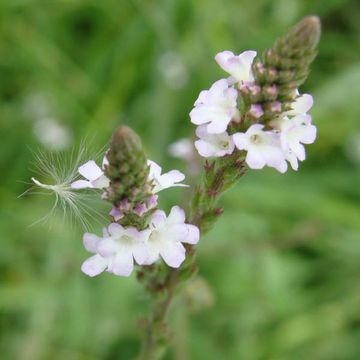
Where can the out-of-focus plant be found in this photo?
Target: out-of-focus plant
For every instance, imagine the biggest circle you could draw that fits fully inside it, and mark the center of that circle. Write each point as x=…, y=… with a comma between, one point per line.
x=254, y=118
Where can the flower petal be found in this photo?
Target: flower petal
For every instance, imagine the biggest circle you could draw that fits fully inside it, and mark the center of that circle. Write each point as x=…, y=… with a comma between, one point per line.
x=101, y=182
x=175, y=175
x=141, y=254
x=155, y=169
x=202, y=99
x=176, y=216
x=302, y=104
x=158, y=219
x=107, y=247
x=173, y=254
x=94, y=265
x=115, y=229
x=222, y=59
x=90, y=242
x=309, y=134
x=255, y=160
x=123, y=264
x=81, y=184
x=193, y=234
x=204, y=148
x=241, y=141
x=282, y=167
x=219, y=126
x=90, y=170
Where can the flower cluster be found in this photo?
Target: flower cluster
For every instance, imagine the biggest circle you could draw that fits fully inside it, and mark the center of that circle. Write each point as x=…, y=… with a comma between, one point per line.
x=273, y=144
x=121, y=246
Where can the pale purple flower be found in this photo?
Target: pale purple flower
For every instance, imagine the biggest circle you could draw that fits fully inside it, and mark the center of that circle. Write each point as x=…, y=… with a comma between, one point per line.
x=301, y=105
x=216, y=107
x=140, y=209
x=256, y=111
x=116, y=250
x=116, y=213
x=95, y=177
x=294, y=132
x=275, y=106
x=152, y=201
x=216, y=145
x=164, y=181
x=167, y=236
x=238, y=66
x=124, y=205
x=263, y=148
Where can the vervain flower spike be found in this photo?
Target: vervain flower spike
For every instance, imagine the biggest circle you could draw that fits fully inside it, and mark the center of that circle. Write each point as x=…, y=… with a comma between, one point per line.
x=254, y=118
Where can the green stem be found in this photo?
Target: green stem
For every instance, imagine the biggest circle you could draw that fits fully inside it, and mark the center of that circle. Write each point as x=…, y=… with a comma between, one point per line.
x=219, y=176
x=284, y=67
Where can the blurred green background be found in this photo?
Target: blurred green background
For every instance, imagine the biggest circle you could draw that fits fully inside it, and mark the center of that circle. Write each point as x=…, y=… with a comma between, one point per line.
x=279, y=274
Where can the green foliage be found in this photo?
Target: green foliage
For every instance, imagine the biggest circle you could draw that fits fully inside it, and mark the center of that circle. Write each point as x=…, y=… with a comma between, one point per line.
x=282, y=264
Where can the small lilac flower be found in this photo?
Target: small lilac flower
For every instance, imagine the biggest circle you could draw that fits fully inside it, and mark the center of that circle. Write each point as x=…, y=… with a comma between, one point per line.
x=167, y=236
x=275, y=106
x=116, y=250
x=140, y=209
x=152, y=201
x=263, y=148
x=216, y=145
x=216, y=107
x=256, y=111
x=124, y=205
x=238, y=66
x=254, y=90
x=94, y=176
x=116, y=213
x=301, y=105
x=164, y=181
x=296, y=131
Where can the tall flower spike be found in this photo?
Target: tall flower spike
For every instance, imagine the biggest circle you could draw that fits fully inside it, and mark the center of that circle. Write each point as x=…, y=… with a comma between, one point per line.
x=128, y=173
x=285, y=67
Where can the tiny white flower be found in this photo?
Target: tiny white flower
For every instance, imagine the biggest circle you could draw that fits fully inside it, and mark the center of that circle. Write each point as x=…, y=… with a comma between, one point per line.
x=296, y=131
x=216, y=145
x=95, y=177
x=116, y=250
x=238, y=66
x=216, y=107
x=167, y=236
x=164, y=181
x=263, y=148
x=301, y=105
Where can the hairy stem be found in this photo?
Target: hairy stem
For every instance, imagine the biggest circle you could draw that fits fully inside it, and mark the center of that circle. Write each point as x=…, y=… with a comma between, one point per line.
x=283, y=68
x=218, y=177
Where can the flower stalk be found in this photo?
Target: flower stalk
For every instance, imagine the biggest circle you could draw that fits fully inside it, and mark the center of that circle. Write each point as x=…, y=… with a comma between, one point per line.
x=276, y=78
x=254, y=118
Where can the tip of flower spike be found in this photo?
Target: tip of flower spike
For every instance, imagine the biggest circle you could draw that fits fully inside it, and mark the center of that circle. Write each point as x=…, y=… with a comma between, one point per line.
x=124, y=134
x=313, y=24
x=307, y=32
x=313, y=19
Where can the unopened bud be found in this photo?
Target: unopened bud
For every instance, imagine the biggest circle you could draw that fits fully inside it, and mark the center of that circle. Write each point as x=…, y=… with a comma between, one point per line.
x=270, y=92
x=274, y=107
x=256, y=111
